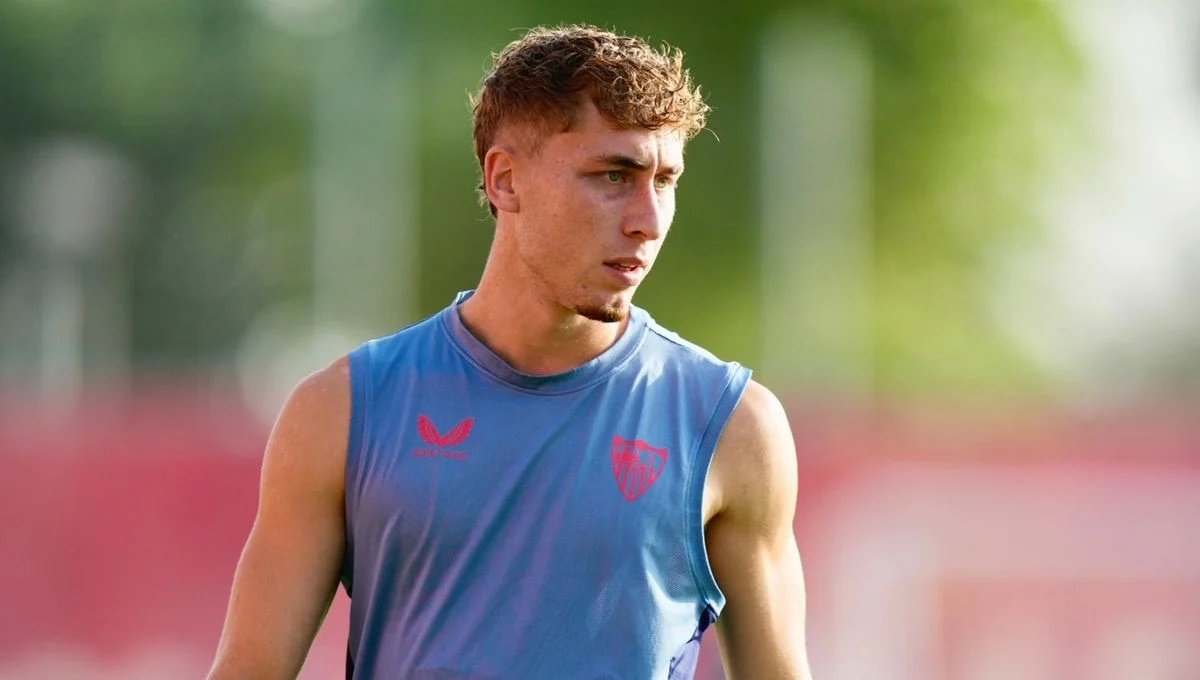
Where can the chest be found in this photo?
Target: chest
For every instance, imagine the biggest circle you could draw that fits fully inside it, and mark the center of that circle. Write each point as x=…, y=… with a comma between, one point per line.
x=598, y=462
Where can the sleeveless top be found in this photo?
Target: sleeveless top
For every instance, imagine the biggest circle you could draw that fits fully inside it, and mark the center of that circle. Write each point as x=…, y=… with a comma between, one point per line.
x=503, y=525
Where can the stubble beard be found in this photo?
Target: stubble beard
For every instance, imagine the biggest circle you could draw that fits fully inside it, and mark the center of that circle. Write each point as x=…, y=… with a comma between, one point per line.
x=604, y=312
x=610, y=313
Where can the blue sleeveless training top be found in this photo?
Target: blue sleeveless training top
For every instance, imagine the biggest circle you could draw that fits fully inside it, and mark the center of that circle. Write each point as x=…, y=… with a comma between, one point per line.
x=507, y=526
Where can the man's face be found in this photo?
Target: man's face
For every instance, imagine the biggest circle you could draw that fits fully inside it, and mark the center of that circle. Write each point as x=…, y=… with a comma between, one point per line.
x=595, y=207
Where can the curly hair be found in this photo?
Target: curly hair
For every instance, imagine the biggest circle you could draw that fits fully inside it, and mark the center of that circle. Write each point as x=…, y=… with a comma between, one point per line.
x=538, y=80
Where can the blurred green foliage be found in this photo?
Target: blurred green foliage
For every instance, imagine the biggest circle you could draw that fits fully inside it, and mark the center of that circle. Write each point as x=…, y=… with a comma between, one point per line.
x=213, y=103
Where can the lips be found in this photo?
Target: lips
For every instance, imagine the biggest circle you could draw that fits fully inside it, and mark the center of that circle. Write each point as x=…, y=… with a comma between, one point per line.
x=626, y=263
x=629, y=270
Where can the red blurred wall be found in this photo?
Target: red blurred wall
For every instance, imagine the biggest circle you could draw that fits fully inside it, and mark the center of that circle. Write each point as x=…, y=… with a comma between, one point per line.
x=927, y=536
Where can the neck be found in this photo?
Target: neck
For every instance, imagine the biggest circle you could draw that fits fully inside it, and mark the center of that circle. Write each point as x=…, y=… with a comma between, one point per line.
x=531, y=333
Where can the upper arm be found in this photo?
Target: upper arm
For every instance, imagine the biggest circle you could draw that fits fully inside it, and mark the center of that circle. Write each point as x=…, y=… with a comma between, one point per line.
x=751, y=544
x=289, y=568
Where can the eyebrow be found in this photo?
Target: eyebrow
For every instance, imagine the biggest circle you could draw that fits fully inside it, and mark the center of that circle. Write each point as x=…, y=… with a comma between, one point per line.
x=631, y=163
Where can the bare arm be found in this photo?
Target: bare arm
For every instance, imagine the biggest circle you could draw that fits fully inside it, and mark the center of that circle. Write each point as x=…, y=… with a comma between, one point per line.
x=289, y=568
x=751, y=545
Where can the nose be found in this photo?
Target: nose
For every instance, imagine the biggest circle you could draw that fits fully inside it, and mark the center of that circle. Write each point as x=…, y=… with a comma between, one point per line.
x=649, y=212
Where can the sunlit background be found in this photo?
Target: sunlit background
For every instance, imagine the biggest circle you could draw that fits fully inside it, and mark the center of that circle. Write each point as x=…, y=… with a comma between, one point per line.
x=961, y=240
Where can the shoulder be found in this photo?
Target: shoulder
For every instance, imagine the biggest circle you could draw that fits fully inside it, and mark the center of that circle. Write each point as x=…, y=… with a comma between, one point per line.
x=375, y=360
x=387, y=346
x=754, y=467
x=320, y=397
x=307, y=447
x=669, y=349
x=676, y=343
x=758, y=419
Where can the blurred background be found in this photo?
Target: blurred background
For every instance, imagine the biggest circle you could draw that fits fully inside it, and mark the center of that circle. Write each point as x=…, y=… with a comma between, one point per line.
x=961, y=240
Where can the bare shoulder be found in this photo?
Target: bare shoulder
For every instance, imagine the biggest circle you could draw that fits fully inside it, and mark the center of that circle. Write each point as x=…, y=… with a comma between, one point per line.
x=323, y=395
x=307, y=448
x=758, y=419
x=289, y=568
x=754, y=467
x=751, y=544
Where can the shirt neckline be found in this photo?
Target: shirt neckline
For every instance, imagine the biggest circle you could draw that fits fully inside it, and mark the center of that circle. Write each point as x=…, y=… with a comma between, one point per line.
x=581, y=376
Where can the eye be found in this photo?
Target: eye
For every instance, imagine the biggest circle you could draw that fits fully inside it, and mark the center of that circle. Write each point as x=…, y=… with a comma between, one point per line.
x=615, y=176
x=664, y=182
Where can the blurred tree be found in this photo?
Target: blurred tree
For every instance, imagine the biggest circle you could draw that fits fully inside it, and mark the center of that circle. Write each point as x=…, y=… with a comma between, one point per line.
x=211, y=107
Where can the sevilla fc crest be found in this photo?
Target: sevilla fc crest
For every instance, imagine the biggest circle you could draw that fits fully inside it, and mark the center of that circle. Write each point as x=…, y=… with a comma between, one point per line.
x=636, y=465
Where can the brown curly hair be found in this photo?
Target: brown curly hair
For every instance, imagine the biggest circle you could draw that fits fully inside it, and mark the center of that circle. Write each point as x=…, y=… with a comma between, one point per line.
x=538, y=79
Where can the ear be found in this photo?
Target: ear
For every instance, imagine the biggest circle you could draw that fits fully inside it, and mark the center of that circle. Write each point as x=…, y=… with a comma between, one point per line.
x=498, y=180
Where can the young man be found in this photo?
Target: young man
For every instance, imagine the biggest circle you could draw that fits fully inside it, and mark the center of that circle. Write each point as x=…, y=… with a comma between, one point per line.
x=539, y=481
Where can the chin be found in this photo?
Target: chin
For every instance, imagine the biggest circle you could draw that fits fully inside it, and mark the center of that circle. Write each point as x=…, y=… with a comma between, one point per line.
x=608, y=312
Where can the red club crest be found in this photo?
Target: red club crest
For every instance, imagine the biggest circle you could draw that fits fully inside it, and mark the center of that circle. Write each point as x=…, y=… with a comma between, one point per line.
x=636, y=465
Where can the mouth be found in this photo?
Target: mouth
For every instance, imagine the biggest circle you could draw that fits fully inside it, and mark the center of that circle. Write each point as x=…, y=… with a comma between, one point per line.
x=624, y=267
x=628, y=270
x=627, y=264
